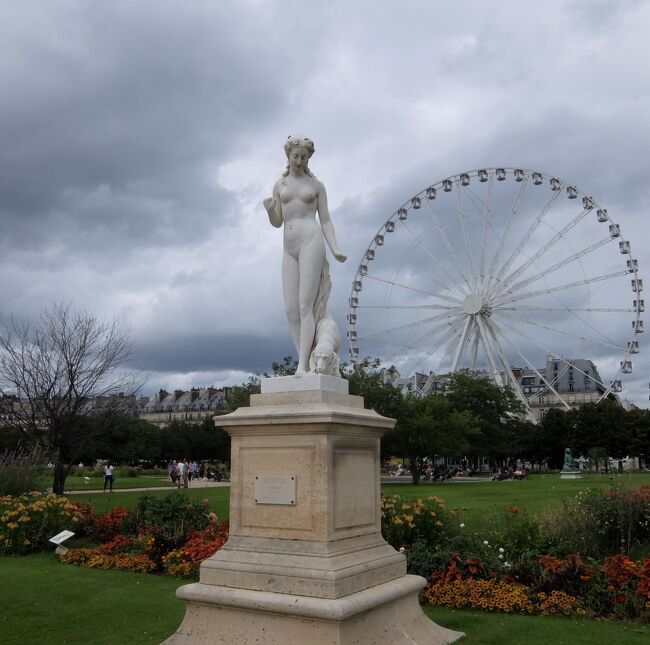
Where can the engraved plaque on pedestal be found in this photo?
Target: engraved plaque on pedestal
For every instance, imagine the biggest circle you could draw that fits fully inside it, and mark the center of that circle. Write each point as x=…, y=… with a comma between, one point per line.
x=275, y=489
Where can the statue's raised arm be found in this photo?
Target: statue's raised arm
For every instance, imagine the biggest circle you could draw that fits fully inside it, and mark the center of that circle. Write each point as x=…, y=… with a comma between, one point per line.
x=297, y=197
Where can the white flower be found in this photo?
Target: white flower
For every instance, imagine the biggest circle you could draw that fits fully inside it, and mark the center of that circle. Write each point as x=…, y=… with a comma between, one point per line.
x=402, y=549
x=500, y=556
x=502, y=550
x=507, y=565
x=462, y=526
x=486, y=543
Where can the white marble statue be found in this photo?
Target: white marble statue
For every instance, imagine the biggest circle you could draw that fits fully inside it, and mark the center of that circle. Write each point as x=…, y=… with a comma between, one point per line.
x=297, y=197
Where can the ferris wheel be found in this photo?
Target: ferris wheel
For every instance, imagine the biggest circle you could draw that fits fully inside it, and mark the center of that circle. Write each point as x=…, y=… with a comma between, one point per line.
x=499, y=271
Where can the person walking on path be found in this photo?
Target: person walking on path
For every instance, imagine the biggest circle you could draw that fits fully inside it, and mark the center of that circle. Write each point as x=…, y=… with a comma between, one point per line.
x=108, y=477
x=186, y=474
x=182, y=475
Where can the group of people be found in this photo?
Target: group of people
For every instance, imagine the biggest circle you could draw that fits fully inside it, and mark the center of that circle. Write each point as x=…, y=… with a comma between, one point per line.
x=182, y=472
x=509, y=473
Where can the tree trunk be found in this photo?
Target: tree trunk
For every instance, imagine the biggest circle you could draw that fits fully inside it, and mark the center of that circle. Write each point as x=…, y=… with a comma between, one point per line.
x=415, y=470
x=60, y=473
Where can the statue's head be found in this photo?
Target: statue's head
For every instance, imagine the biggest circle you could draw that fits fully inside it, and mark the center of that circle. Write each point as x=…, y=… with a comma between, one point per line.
x=298, y=141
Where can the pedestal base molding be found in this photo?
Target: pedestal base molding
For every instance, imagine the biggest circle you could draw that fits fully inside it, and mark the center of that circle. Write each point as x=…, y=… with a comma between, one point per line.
x=388, y=614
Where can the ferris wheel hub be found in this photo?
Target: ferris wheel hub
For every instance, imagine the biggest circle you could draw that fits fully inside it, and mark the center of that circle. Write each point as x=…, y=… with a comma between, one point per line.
x=472, y=304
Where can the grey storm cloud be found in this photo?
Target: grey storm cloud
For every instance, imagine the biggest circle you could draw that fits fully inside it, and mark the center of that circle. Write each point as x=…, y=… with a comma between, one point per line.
x=221, y=352
x=138, y=139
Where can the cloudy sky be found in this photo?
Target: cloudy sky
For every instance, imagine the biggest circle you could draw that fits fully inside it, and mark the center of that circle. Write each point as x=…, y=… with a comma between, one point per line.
x=139, y=138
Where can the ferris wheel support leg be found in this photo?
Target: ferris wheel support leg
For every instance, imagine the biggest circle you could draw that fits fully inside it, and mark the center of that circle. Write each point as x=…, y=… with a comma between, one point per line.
x=463, y=342
x=488, y=351
x=506, y=365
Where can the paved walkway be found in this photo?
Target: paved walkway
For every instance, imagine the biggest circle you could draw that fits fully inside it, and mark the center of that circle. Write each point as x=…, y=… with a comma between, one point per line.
x=145, y=489
x=407, y=479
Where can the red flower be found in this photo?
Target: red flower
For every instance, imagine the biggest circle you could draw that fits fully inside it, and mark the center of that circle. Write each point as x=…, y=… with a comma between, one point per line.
x=513, y=509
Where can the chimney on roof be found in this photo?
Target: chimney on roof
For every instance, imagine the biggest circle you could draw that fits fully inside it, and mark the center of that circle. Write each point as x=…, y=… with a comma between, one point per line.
x=194, y=393
x=178, y=394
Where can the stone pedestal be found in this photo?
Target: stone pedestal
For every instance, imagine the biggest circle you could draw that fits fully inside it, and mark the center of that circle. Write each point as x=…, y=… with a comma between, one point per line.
x=305, y=561
x=570, y=474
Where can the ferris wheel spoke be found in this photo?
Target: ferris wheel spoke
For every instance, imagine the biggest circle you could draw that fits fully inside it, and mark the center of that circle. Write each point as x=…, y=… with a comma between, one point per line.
x=529, y=233
x=532, y=294
x=418, y=242
x=530, y=363
x=448, y=246
x=555, y=267
x=409, y=325
x=626, y=310
x=440, y=296
x=417, y=307
x=513, y=212
x=606, y=342
x=559, y=359
x=444, y=285
x=438, y=344
x=463, y=226
x=450, y=339
x=544, y=249
x=487, y=212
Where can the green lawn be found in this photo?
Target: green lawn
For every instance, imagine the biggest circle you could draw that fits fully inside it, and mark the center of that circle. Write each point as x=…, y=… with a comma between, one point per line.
x=473, y=500
x=48, y=602
x=218, y=498
x=73, y=482
x=484, y=628
x=470, y=500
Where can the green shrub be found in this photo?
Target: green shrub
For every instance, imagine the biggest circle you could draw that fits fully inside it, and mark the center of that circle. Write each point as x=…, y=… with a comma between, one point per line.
x=171, y=516
x=21, y=471
x=596, y=524
x=128, y=471
x=517, y=533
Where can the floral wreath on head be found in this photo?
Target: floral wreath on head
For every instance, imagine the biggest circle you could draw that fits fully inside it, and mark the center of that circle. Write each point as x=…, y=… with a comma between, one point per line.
x=298, y=141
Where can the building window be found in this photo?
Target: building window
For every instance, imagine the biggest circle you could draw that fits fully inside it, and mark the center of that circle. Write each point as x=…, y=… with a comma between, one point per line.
x=570, y=387
x=542, y=414
x=541, y=400
x=528, y=380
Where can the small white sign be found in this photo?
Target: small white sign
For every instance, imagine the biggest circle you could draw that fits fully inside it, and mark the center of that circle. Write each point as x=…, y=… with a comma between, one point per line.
x=61, y=537
x=275, y=489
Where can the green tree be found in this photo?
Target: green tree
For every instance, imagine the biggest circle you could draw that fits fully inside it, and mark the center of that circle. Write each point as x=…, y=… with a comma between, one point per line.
x=603, y=425
x=429, y=426
x=286, y=367
x=637, y=424
x=497, y=409
x=238, y=396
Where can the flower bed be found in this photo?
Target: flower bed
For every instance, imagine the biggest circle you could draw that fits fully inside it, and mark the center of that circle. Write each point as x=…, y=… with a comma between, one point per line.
x=558, y=563
x=28, y=521
x=169, y=535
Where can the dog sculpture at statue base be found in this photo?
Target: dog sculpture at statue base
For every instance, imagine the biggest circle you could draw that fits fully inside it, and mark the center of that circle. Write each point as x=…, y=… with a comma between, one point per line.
x=324, y=358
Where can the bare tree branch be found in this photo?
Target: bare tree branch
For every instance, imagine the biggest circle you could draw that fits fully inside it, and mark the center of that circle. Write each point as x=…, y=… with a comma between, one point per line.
x=55, y=369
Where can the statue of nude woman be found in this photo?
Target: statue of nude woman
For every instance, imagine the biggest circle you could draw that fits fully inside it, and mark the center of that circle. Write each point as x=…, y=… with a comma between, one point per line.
x=297, y=197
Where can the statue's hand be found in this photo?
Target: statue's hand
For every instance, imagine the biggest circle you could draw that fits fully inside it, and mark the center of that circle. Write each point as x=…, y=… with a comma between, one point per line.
x=340, y=256
x=268, y=203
